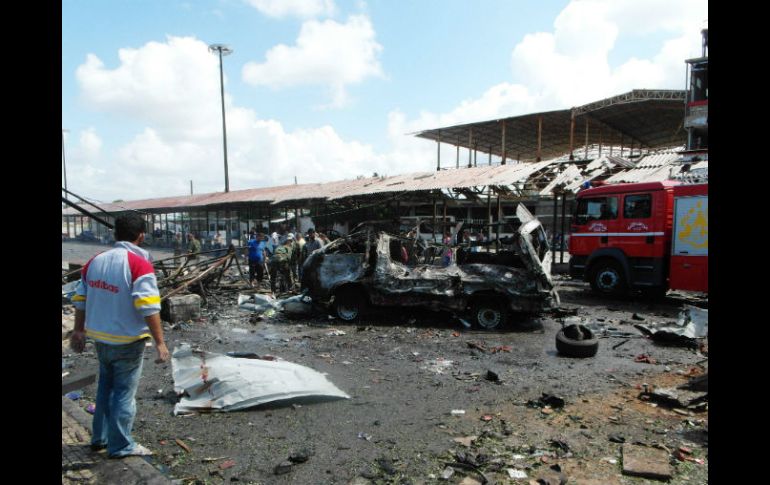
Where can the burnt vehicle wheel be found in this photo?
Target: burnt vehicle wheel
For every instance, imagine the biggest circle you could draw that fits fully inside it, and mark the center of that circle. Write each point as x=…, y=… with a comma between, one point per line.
x=576, y=341
x=488, y=314
x=349, y=303
x=607, y=277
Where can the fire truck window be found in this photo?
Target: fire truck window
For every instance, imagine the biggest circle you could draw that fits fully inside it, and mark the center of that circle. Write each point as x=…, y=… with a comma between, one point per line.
x=637, y=206
x=598, y=208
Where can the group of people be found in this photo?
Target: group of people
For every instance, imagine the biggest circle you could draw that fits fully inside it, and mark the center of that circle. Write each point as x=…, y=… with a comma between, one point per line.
x=282, y=255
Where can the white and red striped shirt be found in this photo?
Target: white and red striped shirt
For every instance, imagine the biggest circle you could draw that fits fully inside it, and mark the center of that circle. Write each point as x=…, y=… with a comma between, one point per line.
x=117, y=290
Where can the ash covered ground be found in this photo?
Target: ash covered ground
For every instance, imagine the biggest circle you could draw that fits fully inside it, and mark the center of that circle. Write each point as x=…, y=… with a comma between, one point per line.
x=406, y=371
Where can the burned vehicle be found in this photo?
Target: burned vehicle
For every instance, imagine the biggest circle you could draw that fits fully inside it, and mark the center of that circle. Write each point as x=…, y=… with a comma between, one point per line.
x=367, y=269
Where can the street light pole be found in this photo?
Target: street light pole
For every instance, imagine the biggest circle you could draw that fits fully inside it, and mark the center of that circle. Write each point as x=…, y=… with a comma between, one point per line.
x=223, y=50
x=63, y=158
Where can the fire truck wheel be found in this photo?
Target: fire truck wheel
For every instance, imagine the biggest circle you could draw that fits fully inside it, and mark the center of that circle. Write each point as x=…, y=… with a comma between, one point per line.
x=607, y=277
x=576, y=341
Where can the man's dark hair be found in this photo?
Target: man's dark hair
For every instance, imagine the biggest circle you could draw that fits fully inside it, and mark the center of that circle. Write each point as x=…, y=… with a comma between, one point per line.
x=128, y=227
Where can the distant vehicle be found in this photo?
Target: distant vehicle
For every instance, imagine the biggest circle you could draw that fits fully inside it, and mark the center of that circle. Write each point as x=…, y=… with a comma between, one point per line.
x=649, y=236
x=366, y=269
x=87, y=236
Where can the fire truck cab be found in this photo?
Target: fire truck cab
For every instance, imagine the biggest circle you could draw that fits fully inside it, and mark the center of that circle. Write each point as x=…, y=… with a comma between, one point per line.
x=621, y=237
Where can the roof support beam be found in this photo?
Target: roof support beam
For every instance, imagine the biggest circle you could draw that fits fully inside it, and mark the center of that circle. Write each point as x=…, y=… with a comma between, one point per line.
x=539, y=138
x=503, y=143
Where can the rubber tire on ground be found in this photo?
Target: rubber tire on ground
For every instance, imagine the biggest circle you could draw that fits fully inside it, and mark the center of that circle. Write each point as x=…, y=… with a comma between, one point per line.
x=573, y=347
x=488, y=314
x=607, y=269
x=349, y=303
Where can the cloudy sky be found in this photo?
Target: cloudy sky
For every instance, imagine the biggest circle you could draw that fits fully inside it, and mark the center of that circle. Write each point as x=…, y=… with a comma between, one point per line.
x=329, y=89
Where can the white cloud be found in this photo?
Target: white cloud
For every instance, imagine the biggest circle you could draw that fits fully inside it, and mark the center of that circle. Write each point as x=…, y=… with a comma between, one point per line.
x=298, y=8
x=172, y=89
x=173, y=84
x=90, y=144
x=326, y=53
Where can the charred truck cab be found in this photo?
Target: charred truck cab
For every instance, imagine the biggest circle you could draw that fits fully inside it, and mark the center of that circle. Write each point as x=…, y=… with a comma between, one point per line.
x=366, y=269
x=643, y=236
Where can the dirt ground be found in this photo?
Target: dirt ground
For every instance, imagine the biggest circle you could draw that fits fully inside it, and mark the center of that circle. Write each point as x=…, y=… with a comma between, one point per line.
x=405, y=372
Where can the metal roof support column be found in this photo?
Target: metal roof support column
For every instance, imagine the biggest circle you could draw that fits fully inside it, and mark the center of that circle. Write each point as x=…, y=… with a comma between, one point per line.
x=490, y=156
x=458, y=153
x=503, y=143
x=489, y=216
x=563, y=221
x=208, y=223
x=499, y=221
x=67, y=218
x=470, y=143
x=555, y=217
x=540, y=138
x=572, y=135
x=585, y=156
x=444, y=225
x=434, y=219
x=600, y=141
x=621, y=145
x=475, y=154
x=438, y=152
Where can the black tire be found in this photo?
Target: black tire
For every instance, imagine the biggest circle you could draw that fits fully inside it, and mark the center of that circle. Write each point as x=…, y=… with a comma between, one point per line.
x=576, y=341
x=349, y=303
x=488, y=314
x=607, y=277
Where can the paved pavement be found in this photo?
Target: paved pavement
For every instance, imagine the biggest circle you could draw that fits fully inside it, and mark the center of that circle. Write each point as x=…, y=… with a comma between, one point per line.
x=81, y=465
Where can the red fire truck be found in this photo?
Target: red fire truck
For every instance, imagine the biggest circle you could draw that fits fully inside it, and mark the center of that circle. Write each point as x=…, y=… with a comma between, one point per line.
x=649, y=236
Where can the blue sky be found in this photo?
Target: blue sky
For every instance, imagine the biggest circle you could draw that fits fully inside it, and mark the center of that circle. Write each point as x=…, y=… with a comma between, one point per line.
x=329, y=89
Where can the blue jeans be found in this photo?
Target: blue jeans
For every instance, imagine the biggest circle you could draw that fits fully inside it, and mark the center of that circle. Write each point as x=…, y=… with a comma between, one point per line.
x=120, y=367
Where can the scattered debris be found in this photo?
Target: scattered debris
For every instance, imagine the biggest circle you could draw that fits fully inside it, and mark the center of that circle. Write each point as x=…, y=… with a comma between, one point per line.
x=478, y=346
x=447, y=473
x=621, y=343
x=91, y=408
x=457, y=412
x=364, y=436
x=335, y=333
x=257, y=303
x=617, y=438
x=645, y=359
x=698, y=384
x=183, y=445
x=492, y=376
x=74, y=395
x=691, y=326
x=465, y=441
x=226, y=464
x=215, y=382
x=487, y=417
x=283, y=468
x=300, y=456
x=646, y=462
x=500, y=348
x=548, y=400
x=636, y=316
x=676, y=398
x=516, y=474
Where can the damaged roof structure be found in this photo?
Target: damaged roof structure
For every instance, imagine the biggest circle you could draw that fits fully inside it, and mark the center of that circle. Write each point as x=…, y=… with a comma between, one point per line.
x=632, y=137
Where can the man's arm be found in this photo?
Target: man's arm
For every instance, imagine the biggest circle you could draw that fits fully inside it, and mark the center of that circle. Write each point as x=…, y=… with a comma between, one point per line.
x=78, y=337
x=156, y=330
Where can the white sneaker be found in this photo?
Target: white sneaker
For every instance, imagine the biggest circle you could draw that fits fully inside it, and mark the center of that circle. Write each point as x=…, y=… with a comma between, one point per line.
x=140, y=450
